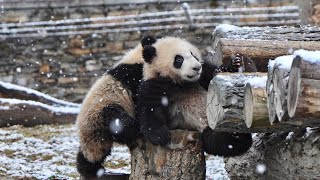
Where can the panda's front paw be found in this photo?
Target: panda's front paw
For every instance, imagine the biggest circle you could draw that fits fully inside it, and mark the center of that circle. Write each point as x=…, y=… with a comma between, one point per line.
x=159, y=136
x=237, y=61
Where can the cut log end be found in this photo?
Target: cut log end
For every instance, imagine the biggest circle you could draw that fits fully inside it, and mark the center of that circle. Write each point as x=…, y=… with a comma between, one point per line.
x=214, y=109
x=248, y=105
x=294, y=86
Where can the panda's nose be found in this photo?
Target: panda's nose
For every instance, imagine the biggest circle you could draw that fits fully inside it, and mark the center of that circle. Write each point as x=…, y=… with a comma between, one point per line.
x=197, y=68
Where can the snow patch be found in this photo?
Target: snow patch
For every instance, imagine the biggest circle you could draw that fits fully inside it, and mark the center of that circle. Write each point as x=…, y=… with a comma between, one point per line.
x=257, y=81
x=227, y=27
x=31, y=91
x=56, y=109
x=284, y=62
x=289, y=136
x=311, y=56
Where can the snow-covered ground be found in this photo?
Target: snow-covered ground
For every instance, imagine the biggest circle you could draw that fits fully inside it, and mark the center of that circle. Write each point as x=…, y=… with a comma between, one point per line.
x=49, y=151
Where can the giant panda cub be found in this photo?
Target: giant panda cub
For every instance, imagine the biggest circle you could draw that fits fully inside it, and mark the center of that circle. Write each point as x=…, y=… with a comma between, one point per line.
x=175, y=81
x=107, y=112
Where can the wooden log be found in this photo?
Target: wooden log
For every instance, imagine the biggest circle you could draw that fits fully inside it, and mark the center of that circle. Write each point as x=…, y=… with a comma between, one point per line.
x=262, y=43
x=8, y=90
x=255, y=106
x=292, y=156
x=227, y=108
x=31, y=113
x=182, y=159
x=270, y=94
x=304, y=93
x=280, y=78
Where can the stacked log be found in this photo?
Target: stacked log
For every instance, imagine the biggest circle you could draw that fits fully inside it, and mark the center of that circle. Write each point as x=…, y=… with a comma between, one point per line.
x=304, y=91
x=260, y=44
x=277, y=87
x=237, y=103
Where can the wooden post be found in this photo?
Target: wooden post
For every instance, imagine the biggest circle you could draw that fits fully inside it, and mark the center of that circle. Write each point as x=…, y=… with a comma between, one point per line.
x=182, y=159
x=304, y=92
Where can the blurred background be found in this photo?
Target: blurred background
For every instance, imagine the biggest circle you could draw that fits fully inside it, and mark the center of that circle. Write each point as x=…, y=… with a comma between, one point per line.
x=60, y=47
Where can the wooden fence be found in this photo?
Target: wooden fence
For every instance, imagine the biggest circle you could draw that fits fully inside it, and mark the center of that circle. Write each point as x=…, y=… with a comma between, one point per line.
x=178, y=19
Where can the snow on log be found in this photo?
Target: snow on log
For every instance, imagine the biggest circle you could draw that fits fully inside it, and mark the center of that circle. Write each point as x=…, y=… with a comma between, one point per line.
x=23, y=106
x=238, y=103
x=8, y=90
x=182, y=159
x=31, y=113
x=270, y=94
x=261, y=43
x=304, y=89
x=280, y=68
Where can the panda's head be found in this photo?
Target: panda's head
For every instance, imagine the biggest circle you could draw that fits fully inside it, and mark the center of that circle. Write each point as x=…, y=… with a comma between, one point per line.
x=172, y=57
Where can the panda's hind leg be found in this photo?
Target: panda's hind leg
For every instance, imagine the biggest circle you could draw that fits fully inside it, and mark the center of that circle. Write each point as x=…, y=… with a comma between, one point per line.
x=225, y=143
x=120, y=126
x=89, y=169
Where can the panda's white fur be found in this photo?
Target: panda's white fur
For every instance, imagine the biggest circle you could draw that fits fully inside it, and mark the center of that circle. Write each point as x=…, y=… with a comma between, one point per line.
x=162, y=62
x=165, y=76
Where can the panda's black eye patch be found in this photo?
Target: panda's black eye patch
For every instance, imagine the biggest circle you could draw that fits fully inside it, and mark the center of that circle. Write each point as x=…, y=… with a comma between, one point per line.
x=194, y=56
x=178, y=61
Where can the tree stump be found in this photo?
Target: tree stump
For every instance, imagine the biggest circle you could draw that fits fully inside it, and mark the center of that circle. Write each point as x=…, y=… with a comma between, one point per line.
x=182, y=159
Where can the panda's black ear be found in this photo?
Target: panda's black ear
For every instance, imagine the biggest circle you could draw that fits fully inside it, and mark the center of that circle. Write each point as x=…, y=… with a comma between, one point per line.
x=148, y=53
x=148, y=40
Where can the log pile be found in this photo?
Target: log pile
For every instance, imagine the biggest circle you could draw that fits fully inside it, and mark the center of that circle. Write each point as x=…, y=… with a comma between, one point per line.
x=27, y=107
x=261, y=44
x=285, y=99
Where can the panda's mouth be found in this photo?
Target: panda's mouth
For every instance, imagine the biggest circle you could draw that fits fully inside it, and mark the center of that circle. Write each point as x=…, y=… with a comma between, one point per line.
x=193, y=76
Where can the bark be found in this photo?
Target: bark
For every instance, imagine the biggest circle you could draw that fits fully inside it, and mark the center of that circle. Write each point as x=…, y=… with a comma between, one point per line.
x=29, y=113
x=182, y=159
x=304, y=93
x=293, y=155
x=262, y=44
x=293, y=158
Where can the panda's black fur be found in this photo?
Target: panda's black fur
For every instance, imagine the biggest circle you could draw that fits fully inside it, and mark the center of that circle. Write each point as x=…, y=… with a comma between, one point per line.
x=107, y=113
x=163, y=80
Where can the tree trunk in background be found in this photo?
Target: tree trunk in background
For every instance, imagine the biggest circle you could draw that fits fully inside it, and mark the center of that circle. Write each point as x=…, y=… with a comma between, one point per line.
x=182, y=159
x=307, y=10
